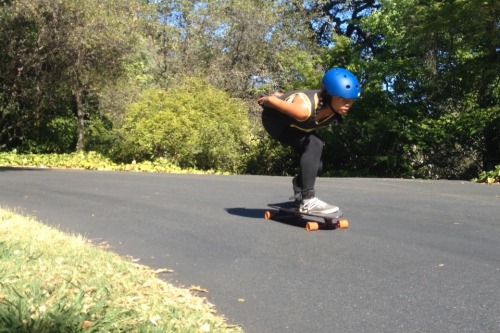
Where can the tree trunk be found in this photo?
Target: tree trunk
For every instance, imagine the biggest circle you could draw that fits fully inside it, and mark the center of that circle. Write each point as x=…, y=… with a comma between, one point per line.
x=80, y=118
x=80, y=112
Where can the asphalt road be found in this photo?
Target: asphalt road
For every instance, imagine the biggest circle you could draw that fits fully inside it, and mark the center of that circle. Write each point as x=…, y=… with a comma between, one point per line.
x=419, y=256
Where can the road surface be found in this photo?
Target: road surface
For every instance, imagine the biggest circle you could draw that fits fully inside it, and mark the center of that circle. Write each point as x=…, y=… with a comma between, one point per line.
x=419, y=256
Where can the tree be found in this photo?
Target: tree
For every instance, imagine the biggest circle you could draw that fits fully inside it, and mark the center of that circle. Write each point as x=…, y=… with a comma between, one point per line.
x=99, y=35
x=438, y=64
x=239, y=45
x=26, y=87
x=331, y=19
x=429, y=72
x=75, y=47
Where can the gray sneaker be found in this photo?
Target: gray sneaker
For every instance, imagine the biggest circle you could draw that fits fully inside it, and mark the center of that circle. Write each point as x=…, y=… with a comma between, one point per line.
x=316, y=206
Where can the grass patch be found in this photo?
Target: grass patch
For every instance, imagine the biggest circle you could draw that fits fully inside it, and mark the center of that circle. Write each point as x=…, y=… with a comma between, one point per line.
x=52, y=282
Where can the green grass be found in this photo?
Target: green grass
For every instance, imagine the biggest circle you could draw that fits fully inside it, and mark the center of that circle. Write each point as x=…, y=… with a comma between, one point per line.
x=53, y=282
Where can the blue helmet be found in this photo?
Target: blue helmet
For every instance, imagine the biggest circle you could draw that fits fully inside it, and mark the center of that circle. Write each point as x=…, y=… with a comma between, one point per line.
x=342, y=83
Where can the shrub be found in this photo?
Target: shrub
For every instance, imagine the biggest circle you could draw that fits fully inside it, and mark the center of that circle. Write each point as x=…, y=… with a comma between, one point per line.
x=192, y=124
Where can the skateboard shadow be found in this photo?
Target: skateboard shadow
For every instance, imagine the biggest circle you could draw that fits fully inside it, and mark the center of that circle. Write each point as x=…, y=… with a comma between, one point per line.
x=256, y=213
x=291, y=221
x=247, y=212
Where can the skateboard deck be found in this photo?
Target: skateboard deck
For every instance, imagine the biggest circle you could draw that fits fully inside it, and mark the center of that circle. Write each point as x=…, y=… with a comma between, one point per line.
x=289, y=208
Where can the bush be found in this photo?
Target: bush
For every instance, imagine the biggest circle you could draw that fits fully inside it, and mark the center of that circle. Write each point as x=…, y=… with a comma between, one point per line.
x=192, y=124
x=269, y=157
x=489, y=177
x=454, y=145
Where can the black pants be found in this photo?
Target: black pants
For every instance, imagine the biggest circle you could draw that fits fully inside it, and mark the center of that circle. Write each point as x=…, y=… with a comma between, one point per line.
x=308, y=145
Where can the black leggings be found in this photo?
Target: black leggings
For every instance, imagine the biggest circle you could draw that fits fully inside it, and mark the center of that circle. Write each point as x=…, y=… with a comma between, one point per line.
x=310, y=149
x=309, y=146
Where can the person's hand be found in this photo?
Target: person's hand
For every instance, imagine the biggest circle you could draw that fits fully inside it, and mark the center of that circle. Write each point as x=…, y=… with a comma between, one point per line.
x=263, y=100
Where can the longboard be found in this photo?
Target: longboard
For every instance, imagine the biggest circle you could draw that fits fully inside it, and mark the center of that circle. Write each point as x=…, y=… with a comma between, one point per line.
x=289, y=208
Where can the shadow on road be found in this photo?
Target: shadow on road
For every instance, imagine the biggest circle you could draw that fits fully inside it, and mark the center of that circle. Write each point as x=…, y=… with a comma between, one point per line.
x=8, y=168
x=254, y=213
x=257, y=213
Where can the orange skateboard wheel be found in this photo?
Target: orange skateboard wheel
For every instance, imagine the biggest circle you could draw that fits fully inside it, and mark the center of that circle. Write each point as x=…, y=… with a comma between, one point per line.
x=268, y=215
x=312, y=226
x=343, y=224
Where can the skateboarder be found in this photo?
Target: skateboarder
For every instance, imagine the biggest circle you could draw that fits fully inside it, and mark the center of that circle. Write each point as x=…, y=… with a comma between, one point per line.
x=294, y=118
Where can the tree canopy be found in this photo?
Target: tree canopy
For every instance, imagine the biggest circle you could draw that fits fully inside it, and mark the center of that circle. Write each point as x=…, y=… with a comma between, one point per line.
x=132, y=79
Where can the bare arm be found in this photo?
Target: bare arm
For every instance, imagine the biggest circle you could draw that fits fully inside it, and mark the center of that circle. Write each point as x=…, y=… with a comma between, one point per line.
x=296, y=109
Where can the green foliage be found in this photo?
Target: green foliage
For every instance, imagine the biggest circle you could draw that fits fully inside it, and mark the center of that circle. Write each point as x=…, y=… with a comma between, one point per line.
x=454, y=145
x=54, y=60
x=341, y=55
x=299, y=70
x=75, y=160
x=11, y=116
x=192, y=124
x=440, y=50
x=31, y=92
x=429, y=74
x=61, y=133
x=489, y=177
x=92, y=161
x=99, y=134
x=269, y=157
x=369, y=143
x=429, y=99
